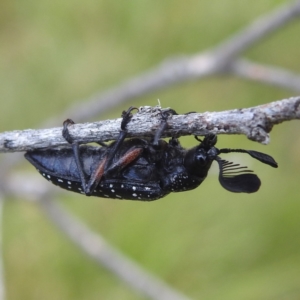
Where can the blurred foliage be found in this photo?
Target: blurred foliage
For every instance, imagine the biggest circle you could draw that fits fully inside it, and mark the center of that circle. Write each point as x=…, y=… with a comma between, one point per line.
x=207, y=243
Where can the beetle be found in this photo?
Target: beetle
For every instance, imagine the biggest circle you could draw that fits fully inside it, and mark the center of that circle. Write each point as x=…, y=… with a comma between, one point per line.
x=142, y=168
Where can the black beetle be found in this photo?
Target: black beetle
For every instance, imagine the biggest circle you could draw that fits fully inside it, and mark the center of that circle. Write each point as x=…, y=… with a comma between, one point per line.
x=142, y=169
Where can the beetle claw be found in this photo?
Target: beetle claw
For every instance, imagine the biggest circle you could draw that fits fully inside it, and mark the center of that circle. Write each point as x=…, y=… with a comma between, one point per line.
x=65, y=131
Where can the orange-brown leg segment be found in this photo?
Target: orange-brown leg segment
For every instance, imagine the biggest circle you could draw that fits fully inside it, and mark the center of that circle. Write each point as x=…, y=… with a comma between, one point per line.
x=124, y=161
x=104, y=166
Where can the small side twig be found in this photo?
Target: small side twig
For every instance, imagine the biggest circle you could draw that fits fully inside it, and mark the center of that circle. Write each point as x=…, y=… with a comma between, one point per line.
x=2, y=274
x=176, y=70
x=271, y=75
x=97, y=248
x=32, y=187
x=255, y=123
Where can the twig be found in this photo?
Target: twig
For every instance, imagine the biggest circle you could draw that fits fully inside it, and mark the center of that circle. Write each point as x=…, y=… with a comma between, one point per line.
x=219, y=60
x=34, y=188
x=255, y=123
x=96, y=247
x=178, y=70
x=2, y=279
x=186, y=68
x=260, y=28
x=267, y=74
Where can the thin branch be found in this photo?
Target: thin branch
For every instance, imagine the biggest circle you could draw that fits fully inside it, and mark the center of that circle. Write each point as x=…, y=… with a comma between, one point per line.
x=267, y=74
x=2, y=276
x=173, y=71
x=217, y=60
x=33, y=187
x=259, y=29
x=177, y=70
x=185, y=68
x=98, y=249
x=254, y=122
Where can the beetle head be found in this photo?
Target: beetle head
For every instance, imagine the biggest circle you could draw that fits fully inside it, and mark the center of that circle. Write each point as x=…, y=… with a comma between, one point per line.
x=232, y=177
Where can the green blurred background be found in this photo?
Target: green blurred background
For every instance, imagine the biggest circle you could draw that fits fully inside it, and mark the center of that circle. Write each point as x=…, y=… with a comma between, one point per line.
x=207, y=243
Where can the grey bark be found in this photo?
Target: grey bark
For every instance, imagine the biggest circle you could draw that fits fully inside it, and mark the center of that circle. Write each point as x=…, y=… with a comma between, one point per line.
x=254, y=122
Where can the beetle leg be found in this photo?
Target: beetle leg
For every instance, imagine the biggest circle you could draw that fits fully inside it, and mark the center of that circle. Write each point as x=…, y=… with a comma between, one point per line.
x=101, y=171
x=65, y=132
x=95, y=177
x=163, y=125
x=106, y=167
x=106, y=162
x=124, y=161
x=126, y=117
x=165, y=114
x=75, y=148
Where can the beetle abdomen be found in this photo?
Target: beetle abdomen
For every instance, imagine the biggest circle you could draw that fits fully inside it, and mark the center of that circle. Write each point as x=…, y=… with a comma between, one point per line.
x=60, y=163
x=131, y=190
x=59, y=167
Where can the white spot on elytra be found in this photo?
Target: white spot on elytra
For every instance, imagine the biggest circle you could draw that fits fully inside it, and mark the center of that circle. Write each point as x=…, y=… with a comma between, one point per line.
x=60, y=180
x=134, y=188
x=49, y=176
x=134, y=194
x=106, y=196
x=122, y=185
x=69, y=182
x=112, y=191
x=111, y=185
x=147, y=188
